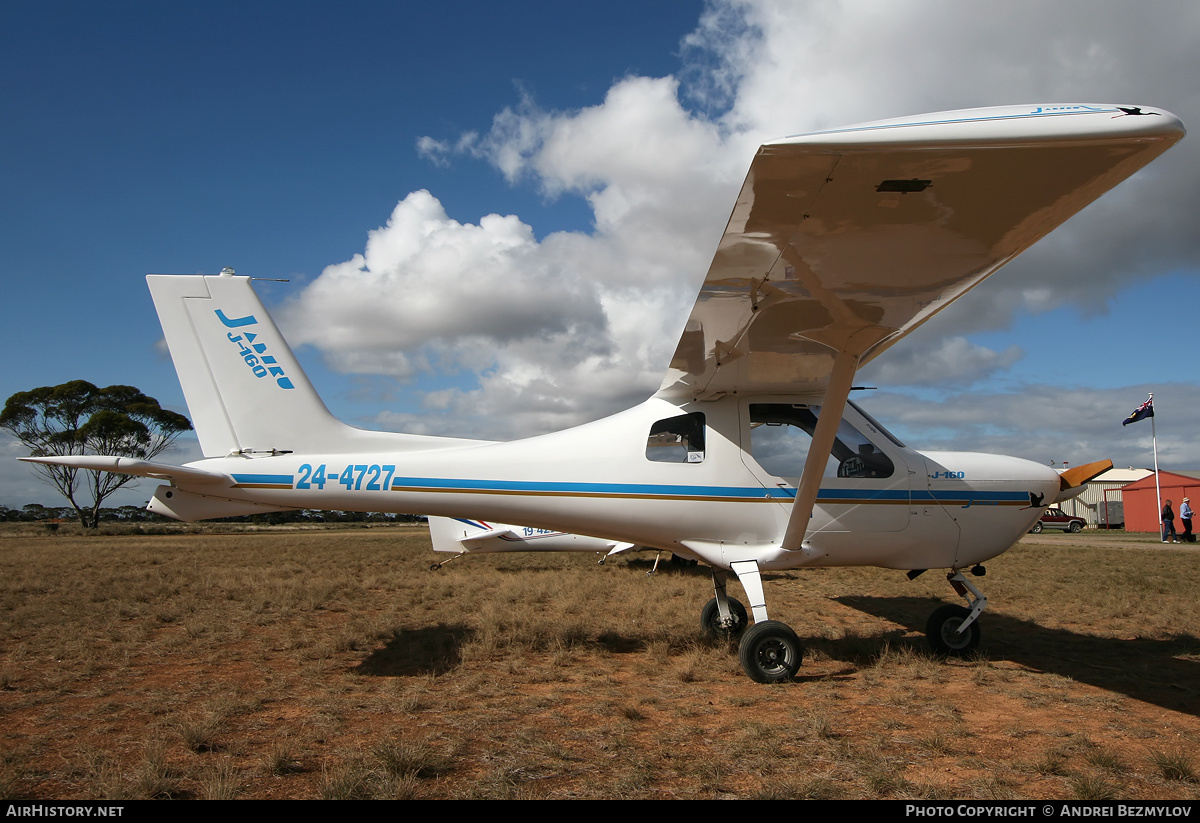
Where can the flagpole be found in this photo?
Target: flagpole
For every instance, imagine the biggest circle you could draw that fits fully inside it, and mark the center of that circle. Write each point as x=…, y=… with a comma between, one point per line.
x=1157, y=489
x=1141, y=413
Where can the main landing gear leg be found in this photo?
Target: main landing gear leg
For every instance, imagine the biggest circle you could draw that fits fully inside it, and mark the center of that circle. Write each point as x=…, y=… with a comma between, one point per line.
x=953, y=630
x=769, y=651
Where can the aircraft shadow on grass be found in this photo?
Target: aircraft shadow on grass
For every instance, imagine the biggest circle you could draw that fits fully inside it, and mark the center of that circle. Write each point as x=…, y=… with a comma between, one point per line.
x=437, y=649
x=1152, y=671
x=430, y=650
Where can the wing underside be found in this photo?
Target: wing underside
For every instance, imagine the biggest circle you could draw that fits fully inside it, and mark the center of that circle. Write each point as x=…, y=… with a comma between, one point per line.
x=842, y=242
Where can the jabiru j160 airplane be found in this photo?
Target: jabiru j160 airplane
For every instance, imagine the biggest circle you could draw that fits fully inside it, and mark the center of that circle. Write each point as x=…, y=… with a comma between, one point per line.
x=750, y=457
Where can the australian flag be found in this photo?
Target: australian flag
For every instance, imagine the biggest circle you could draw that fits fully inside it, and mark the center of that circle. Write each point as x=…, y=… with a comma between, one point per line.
x=1141, y=412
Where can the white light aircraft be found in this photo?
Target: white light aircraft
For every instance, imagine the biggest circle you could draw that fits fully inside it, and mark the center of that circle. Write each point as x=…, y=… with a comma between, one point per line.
x=749, y=458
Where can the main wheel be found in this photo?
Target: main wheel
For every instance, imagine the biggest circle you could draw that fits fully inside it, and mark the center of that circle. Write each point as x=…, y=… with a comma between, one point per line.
x=770, y=652
x=1037, y=528
x=944, y=636
x=1075, y=527
x=710, y=619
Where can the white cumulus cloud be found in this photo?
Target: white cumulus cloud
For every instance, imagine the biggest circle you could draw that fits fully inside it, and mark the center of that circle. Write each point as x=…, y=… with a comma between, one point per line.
x=575, y=325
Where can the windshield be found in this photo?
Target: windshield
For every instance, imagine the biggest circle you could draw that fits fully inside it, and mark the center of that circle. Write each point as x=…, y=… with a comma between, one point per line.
x=781, y=434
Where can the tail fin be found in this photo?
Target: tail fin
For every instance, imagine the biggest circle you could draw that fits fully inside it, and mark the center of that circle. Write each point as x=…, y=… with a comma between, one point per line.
x=243, y=385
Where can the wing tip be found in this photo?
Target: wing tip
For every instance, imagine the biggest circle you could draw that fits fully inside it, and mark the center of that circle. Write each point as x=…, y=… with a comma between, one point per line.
x=1056, y=121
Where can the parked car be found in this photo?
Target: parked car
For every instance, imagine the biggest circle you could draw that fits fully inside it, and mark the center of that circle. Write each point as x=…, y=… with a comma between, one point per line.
x=1056, y=519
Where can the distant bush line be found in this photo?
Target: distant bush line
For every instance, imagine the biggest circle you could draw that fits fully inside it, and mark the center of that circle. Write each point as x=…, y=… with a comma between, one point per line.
x=36, y=512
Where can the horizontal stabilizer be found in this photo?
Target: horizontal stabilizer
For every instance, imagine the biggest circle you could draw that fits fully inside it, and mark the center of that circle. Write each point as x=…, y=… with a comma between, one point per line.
x=479, y=538
x=130, y=465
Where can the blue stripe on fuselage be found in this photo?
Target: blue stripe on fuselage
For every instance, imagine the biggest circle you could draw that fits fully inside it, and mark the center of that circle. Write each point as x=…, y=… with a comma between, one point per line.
x=782, y=494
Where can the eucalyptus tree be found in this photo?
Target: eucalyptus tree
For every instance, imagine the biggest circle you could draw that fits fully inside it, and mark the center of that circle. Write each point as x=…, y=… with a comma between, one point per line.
x=79, y=418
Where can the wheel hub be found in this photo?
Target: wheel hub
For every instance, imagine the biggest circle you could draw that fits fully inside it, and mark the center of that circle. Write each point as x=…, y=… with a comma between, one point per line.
x=772, y=654
x=952, y=635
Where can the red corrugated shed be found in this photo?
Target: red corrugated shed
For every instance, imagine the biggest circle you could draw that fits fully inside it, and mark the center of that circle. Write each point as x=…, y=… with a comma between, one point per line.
x=1141, y=507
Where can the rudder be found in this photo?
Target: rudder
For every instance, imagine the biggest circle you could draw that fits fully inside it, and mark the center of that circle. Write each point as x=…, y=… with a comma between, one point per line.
x=243, y=385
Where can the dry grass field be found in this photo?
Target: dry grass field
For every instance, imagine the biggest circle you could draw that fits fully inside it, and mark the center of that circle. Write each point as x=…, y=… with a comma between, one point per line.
x=335, y=664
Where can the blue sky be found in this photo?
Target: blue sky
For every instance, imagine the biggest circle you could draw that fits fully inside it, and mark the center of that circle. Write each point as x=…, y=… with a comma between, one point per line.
x=281, y=138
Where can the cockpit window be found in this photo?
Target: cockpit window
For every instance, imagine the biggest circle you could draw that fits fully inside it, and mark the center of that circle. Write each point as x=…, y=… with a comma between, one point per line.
x=878, y=426
x=677, y=439
x=781, y=433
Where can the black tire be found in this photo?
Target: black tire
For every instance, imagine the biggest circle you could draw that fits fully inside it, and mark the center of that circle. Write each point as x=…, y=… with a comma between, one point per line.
x=710, y=620
x=1037, y=528
x=943, y=634
x=770, y=652
x=1075, y=528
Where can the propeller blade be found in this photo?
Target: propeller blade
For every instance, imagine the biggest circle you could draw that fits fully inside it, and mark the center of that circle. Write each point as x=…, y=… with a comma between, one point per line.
x=1079, y=475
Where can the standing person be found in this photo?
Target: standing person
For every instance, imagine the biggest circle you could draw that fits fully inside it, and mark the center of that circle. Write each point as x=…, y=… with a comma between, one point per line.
x=1168, y=523
x=1185, y=514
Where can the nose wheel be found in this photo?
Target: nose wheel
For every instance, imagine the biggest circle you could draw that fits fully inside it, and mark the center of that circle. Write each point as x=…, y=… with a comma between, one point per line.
x=953, y=630
x=947, y=634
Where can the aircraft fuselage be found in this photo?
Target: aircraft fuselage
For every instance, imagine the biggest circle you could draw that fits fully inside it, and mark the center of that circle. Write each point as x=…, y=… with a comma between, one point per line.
x=699, y=492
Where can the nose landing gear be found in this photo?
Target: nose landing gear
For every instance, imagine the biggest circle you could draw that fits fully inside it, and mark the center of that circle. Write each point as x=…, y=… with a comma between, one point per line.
x=953, y=630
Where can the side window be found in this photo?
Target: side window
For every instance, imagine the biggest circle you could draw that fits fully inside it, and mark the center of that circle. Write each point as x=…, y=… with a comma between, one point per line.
x=780, y=436
x=677, y=439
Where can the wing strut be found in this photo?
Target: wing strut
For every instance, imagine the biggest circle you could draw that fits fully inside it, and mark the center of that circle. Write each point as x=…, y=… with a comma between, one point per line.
x=838, y=391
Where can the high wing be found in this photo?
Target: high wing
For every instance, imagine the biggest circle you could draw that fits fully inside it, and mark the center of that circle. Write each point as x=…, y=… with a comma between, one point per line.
x=842, y=242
